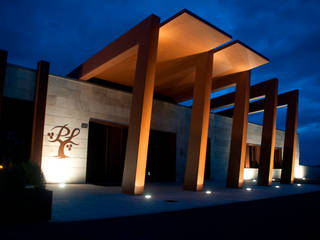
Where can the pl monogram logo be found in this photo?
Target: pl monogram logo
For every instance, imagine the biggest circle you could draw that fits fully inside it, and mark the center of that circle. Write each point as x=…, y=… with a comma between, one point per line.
x=64, y=137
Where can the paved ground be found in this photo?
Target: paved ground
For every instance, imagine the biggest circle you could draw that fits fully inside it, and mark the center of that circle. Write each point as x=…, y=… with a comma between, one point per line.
x=77, y=202
x=289, y=217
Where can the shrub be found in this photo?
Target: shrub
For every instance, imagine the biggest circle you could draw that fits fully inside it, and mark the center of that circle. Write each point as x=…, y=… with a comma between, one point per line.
x=19, y=175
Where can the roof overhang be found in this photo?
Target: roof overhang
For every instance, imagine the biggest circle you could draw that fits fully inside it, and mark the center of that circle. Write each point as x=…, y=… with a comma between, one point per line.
x=181, y=38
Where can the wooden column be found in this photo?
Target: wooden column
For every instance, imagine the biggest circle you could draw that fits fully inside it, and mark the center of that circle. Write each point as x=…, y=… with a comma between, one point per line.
x=198, y=134
x=3, y=67
x=40, y=100
x=140, y=115
x=239, y=132
x=287, y=174
x=268, y=134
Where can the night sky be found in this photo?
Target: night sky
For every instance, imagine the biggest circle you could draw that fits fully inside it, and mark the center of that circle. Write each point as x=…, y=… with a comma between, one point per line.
x=66, y=33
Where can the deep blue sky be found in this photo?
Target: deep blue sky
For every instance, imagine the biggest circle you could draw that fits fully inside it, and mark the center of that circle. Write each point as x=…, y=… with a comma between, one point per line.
x=66, y=33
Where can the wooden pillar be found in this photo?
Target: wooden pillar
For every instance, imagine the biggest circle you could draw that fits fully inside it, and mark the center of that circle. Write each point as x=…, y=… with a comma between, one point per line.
x=40, y=100
x=3, y=67
x=287, y=174
x=239, y=132
x=140, y=116
x=268, y=134
x=198, y=133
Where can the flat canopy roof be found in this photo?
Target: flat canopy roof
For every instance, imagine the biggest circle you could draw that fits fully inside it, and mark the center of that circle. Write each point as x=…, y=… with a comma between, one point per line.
x=180, y=37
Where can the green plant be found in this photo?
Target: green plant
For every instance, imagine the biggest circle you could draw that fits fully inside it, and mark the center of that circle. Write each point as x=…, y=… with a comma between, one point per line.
x=19, y=175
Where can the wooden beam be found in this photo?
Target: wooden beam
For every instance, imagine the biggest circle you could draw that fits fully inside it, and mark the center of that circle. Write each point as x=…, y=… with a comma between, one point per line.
x=3, y=67
x=270, y=89
x=141, y=107
x=289, y=99
x=40, y=100
x=258, y=106
x=290, y=140
x=198, y=133
x=239, y=132
x=126, y=44
x=256, y=91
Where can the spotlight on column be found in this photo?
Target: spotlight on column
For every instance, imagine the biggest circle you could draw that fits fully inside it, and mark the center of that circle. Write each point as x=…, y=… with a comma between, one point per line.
x=147, y=196
x=208, y=192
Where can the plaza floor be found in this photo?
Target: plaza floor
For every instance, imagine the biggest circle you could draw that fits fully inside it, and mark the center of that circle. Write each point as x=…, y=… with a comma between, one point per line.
x=79, y=202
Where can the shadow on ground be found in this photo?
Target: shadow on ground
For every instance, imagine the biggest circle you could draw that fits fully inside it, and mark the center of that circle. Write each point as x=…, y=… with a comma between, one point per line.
x=290, y=217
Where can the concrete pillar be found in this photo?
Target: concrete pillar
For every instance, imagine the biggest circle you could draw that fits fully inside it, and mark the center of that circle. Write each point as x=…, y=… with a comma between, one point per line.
x=287, y=174
x=239, y=132
x=40, y=100
x=198, y=135
x=140, y=116
x=268, y=134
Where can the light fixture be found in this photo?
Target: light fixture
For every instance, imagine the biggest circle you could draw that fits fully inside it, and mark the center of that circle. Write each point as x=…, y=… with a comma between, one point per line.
x=1, y=167
x=249, y=189
x=147, y=196
x=62, y=185
x=299, y=185
x=303, y=178
x=254, y=180
x=277, y=186
x=273, y=180
x=208, y=192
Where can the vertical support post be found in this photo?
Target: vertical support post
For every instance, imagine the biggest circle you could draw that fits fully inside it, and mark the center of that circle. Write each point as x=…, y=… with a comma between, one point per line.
x=268, y=134
x=287, y=174
x=198, y=133
x=140, y=116
x=40, y=100
x=3, y=67
x=239, y=132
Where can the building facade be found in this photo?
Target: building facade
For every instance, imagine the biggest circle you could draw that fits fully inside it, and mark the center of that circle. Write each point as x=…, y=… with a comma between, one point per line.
x=115, y=119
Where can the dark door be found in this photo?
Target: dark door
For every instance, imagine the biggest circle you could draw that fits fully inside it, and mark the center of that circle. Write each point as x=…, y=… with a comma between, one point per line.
x=207, y=170
x=106, y=155
x=161, y=162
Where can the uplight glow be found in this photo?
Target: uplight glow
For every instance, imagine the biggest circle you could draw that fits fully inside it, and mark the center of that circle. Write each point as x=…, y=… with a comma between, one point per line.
x=147, y=196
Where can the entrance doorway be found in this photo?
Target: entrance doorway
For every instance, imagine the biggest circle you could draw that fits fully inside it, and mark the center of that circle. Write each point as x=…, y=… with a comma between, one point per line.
x=106, y=154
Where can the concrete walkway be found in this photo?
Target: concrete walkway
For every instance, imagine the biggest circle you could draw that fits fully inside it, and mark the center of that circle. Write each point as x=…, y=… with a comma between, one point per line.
x=78, y=202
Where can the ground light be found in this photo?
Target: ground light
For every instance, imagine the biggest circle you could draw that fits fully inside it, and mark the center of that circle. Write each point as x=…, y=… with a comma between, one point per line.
x=254, y=180
x=62, y=185
x=299, y=185
x=1, y=167
x=277, y=186
x=248, y=189
x=208, y=192
x=147, y=196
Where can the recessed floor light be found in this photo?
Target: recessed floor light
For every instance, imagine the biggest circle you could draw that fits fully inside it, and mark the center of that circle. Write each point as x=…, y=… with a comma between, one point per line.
x=208, y=192
x=254, y=180
x=299, y=185
x=249, y=189
x=147, y=196
x=277, y=186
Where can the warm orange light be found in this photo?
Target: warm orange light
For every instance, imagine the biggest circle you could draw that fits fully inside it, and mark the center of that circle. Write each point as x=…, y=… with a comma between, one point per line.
x=1, y=167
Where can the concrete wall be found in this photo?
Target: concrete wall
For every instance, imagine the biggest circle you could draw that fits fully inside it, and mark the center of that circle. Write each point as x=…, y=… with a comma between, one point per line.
x=74, y=102
x=19, y=83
